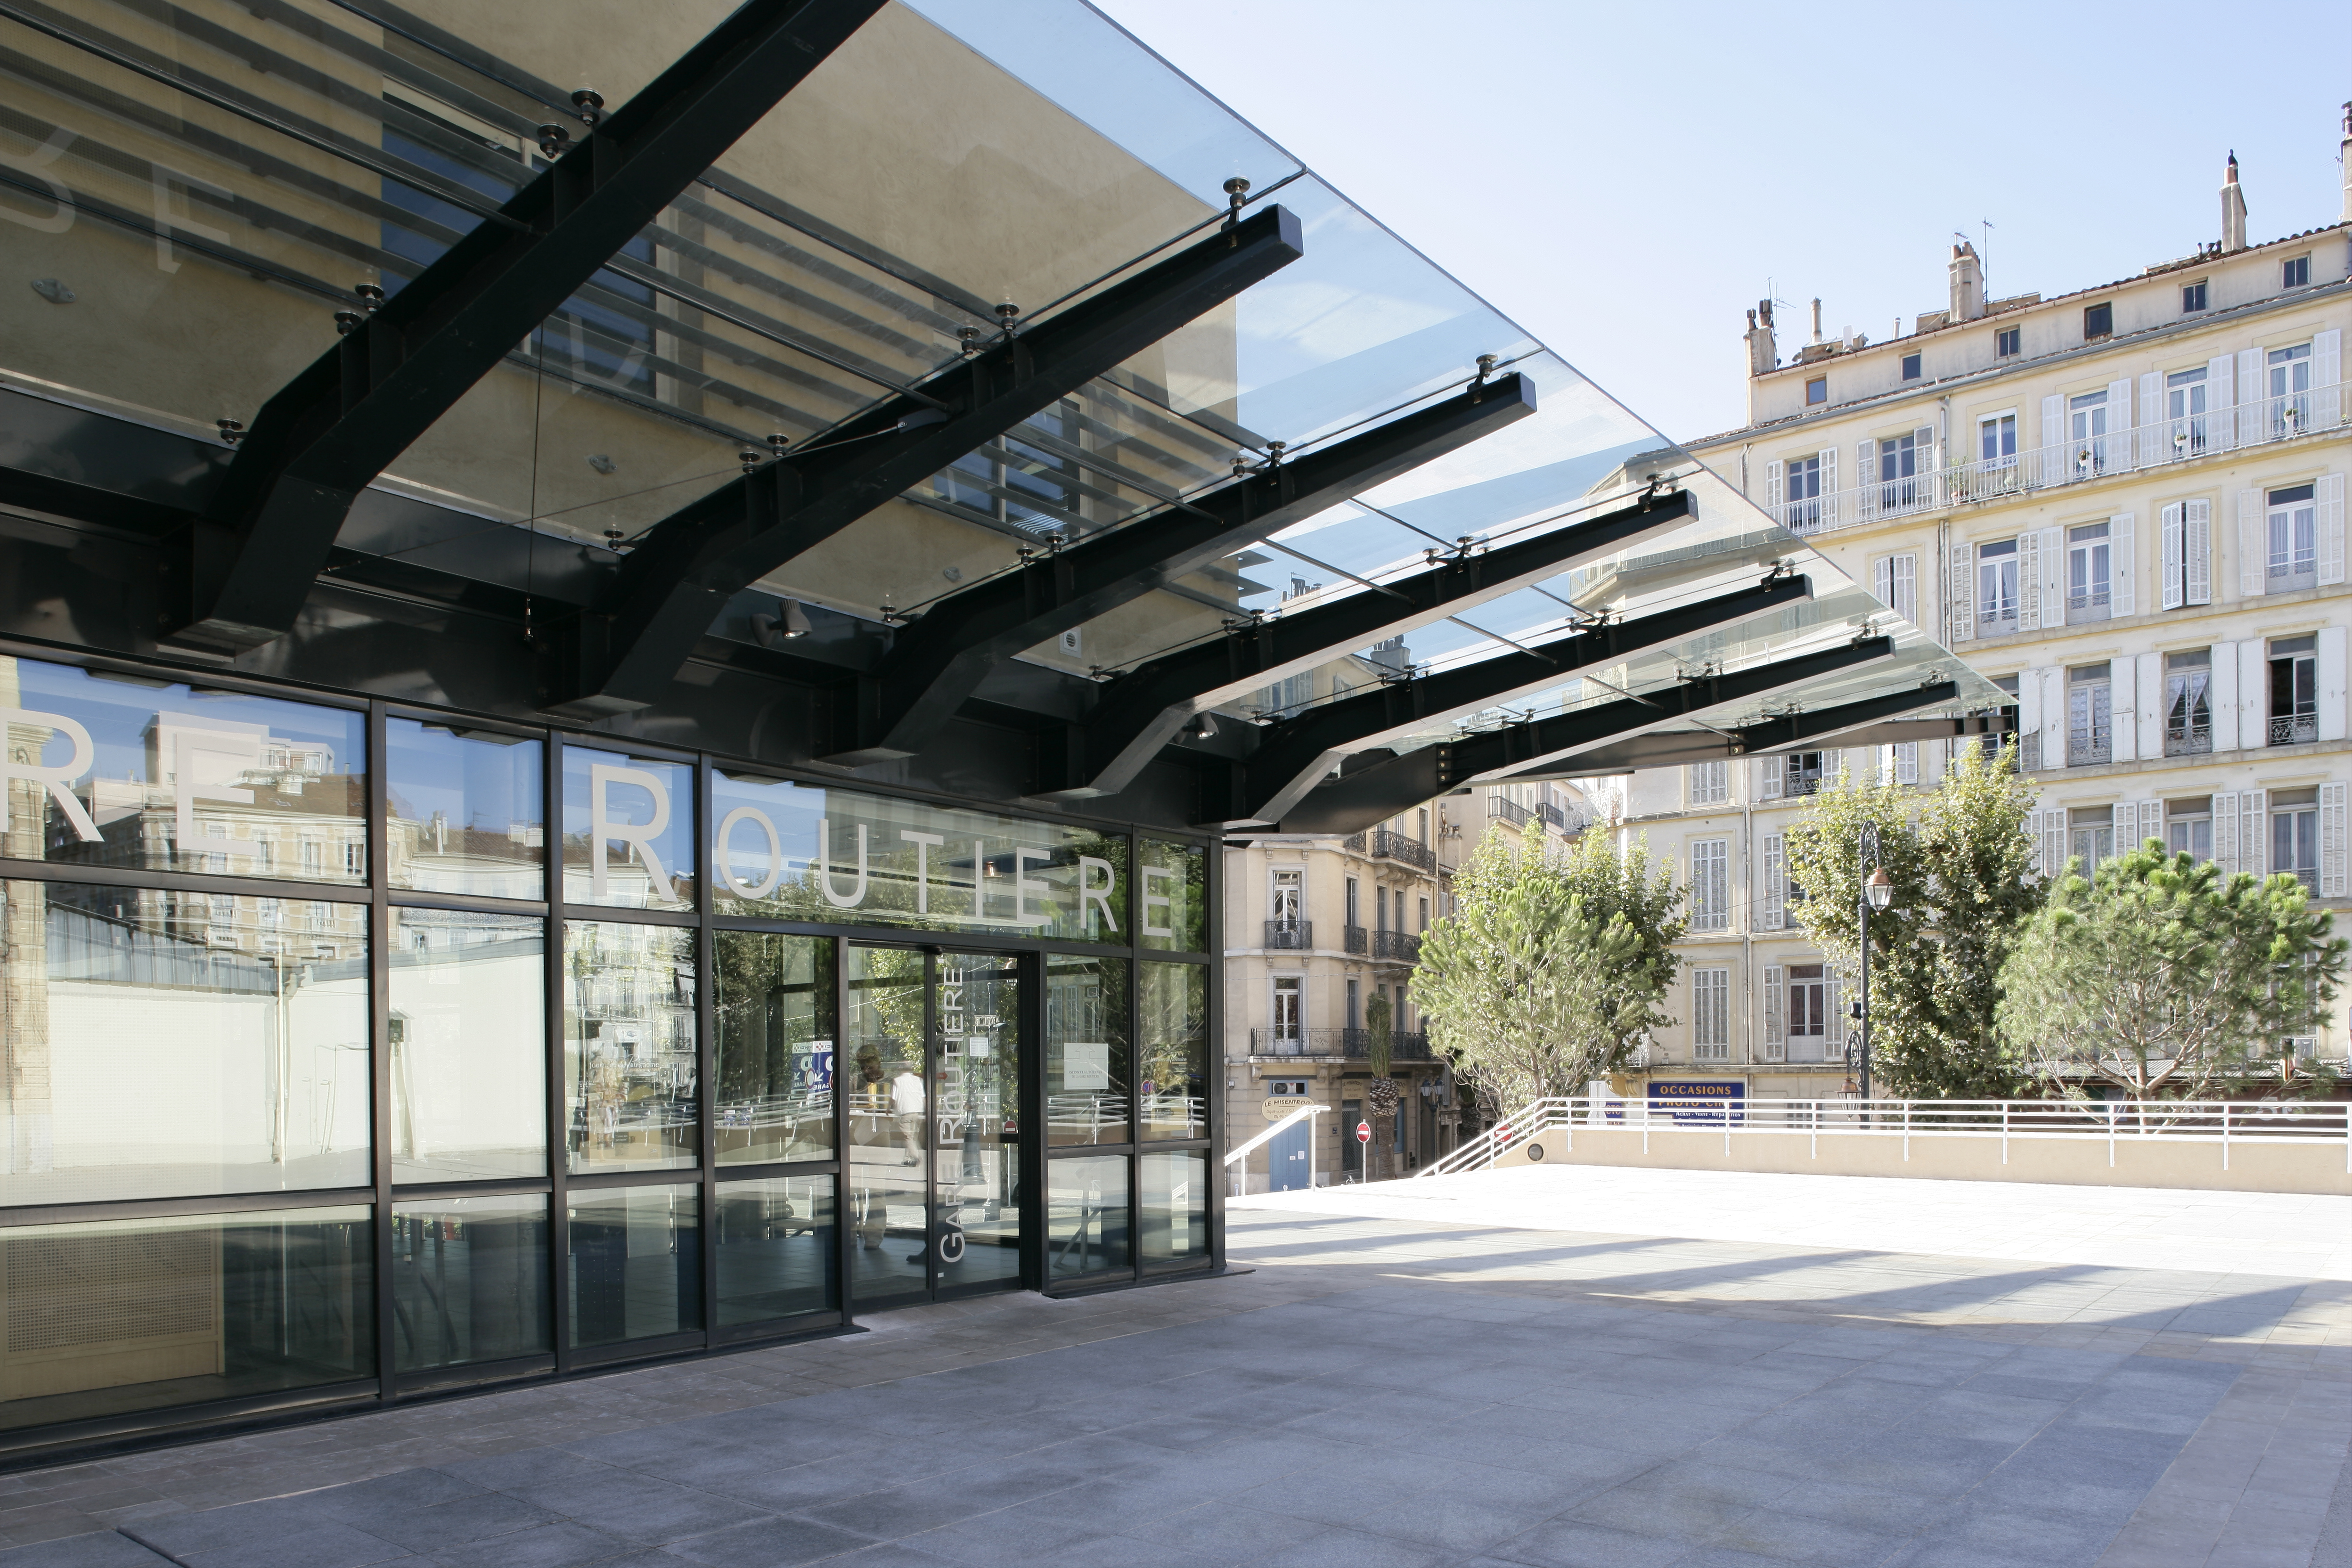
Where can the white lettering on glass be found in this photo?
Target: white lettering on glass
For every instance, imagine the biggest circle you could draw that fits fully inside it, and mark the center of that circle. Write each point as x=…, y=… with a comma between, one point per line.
x=924, y=844
x=856, y=894
x=58, y=780
x=243, y=752
x=1024, y=886
x=775, y=872
x=1152, y=901
x=639, y=835
x=1090, y=894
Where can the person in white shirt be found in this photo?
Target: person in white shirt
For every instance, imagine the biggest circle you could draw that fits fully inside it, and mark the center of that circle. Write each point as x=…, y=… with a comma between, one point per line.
x=907, y=1102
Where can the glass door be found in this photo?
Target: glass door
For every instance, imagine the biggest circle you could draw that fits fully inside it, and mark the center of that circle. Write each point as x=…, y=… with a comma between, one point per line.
x=933, y=1099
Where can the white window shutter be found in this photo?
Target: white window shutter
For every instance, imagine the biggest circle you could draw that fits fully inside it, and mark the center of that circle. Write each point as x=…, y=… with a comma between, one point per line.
x=2122, y=535
x=2028, y=704
x=1907, y=588
x=2220, y=403
x=2225, y=832
x=2334, y=874
x=2119, y=425
x=2253, y=559
x=2053, y=578
x=2197, y=552
x=2029, y=582
x=1768, y=775
x=2053, y=717
x=1881, y=579
x=2254, y=832
x=2331, y=673
x=2221, y=697
x=2327, y=371
x=2123, y=710
x=2253, y=426
x=2172, y=556
x=2253, y=693
x=1833, y=1009
x=1776, y=882
x=1865, y=479
x=1775, y=1015
x=1963, y=595
x=2327, y=493
x=1829, y=487
x=2151, y=420
x=1774, y=484
x=2150, y=705
x=1927, y=492
x=2151, y=821
x=1907, y=761
x=2126, y=826
x=2053, y=841
x=2054, y=456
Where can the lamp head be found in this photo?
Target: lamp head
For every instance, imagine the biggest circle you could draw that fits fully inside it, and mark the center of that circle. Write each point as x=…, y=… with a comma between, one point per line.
x=1880, y=887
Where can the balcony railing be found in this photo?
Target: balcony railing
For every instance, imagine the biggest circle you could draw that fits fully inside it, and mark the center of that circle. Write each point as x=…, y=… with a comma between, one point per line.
x=1508, y=811
x=1389, y=846
x=1357, y=940
x=2157, y=444
x=2029, y=751
x=1354, y=843
x=1349, y=1044
x=1396, y=945
x=2188, y=739
x=1290, y=935
x=2308, y=875
x=2294, y=729
x=2089, y=751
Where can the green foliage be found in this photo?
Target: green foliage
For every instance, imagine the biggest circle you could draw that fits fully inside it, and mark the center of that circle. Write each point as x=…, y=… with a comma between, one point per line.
x=1381, y=1045
x=2162, y=976
x=1963, y=890
x=1550, y=967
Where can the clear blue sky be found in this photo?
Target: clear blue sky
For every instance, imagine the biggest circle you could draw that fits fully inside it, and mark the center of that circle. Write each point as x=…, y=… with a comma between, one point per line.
x=1623, y=180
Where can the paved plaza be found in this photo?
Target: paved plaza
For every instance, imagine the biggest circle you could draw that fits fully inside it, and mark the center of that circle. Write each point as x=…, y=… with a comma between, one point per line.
x=1377, y=1390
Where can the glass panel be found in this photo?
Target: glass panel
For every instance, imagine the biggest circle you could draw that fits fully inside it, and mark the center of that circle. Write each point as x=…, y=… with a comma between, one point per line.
x=157, y=775
x=468, y=1045
x=1175, y=1201
x=468, y=1281
x=774, y=1015
x=636, y=1264
x=885, y=1164
x=257, y=1082
x=1086, y=1214
x=630, y=1055
x=1175, y=1065
x=467, y=811
x=1088, y=1057
x=106, y=1318
x=977, y=1101
x=903, y=863
x=628, y=831
x=776, y=1253
x=1172, y=896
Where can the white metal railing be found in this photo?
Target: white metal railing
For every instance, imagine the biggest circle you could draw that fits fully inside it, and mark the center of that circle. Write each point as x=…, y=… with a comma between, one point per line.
x=2159, y=444
x=2222, y=1121
x=1234, y=1158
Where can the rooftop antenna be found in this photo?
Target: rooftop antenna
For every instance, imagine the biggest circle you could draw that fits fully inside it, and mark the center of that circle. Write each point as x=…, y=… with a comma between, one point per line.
x=1984, y=254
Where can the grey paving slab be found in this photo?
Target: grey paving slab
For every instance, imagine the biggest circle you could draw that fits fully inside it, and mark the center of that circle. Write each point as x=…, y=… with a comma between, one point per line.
x=95, y=1548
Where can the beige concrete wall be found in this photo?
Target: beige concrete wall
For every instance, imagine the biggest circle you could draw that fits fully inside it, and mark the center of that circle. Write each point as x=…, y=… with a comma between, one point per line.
x=2316, y=1166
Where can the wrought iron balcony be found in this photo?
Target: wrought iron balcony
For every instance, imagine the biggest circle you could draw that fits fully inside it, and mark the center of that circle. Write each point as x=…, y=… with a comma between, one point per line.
x=2294, y=729
x=1291, y=935
x=1508, y=810
x=1353, y=1045
x=1357, y=940
x=2090, y=751
x=1354, y=842
x=1389, y=846
x=2188, y=739
x=1396, y=946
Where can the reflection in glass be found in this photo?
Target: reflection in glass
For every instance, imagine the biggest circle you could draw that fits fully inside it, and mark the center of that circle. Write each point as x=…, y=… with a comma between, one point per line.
x=776, y=1255
x=1085, y=1213
x=468, y=1052
x=468, y=1281
x=466, y=814
x=628, y=831
x=773, y=1010
x=636, y=1264
x=1175, y=1203
x=129, y=1315
x=886, y=1165
x=1171, y=888
x=145, y=1059
x=169, y=777
x=1175, y=1065
x=1086, y=1054
x=629, y=1048
x=975, y=1104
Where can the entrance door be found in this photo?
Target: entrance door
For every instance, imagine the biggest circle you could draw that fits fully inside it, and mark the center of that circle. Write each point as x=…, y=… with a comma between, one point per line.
x=1286, y=1163
x=933, y=1094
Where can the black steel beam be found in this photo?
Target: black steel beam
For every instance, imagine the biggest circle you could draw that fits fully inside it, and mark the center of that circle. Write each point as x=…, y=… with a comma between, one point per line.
x=941, y=661
x=1381, y=787
x=623, y=653
x=322, y=437
x=1296, y=754
x=1141, y=711
x=1870, y=722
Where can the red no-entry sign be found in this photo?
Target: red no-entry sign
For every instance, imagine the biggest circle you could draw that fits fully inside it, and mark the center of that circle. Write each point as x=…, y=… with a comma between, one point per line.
x=1363, y=1132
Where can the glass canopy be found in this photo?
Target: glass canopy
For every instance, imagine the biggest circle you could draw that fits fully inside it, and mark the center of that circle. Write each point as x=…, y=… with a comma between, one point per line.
x=198, y=190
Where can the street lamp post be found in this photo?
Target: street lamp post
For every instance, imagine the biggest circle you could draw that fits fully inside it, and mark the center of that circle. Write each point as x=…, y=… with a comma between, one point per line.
x=1878, y=893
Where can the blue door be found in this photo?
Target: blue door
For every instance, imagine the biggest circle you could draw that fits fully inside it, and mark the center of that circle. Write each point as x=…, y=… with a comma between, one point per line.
x=1286, y=1157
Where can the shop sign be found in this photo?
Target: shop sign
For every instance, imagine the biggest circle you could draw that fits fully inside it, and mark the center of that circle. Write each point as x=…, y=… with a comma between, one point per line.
x=1706, y=1101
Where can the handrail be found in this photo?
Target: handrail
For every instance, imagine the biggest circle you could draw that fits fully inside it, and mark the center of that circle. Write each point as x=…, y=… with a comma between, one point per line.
x=2222, y=1122
x=1294, y=1118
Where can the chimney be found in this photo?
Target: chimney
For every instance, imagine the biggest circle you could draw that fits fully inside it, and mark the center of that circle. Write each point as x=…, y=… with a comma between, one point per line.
x=2233, y=210
x=2344, y=153
x=1817, y=321
x=1968, y=283
x=1763, y=352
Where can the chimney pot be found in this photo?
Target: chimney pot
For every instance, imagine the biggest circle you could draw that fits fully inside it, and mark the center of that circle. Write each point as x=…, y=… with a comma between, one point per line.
x=2233, y=209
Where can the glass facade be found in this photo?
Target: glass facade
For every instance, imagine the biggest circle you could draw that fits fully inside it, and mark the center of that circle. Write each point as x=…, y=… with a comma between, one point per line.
x=735, y=1071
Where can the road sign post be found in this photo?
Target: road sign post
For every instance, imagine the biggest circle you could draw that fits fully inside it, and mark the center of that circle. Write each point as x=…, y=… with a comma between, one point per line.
x=1364, y=1157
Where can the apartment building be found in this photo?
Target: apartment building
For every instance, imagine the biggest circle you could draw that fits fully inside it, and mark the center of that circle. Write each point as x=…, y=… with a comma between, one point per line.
x=2125, y=505
x=1318, y=928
